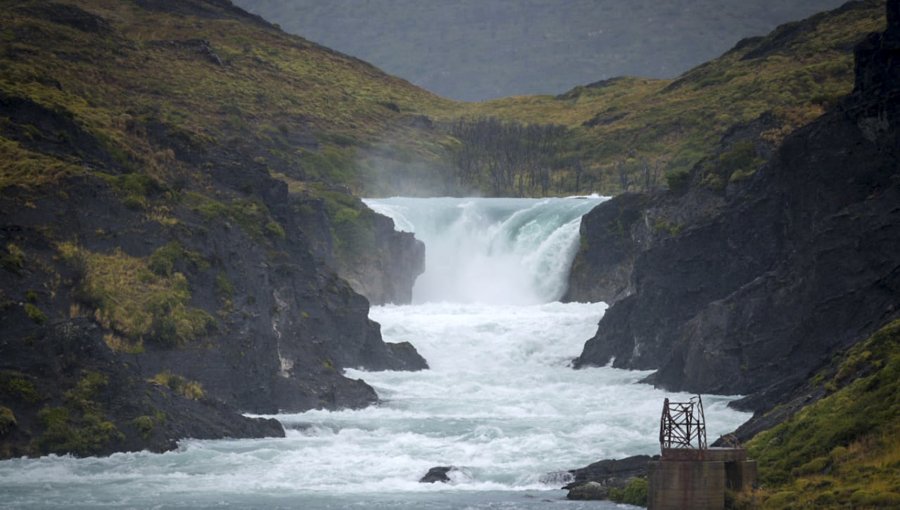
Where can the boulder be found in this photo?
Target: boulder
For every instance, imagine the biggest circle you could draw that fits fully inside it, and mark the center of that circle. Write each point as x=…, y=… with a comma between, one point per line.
x=589, y=491
x=437, y=474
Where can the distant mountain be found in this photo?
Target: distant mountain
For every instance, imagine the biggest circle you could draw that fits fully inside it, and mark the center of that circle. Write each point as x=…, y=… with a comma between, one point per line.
x=475, y=50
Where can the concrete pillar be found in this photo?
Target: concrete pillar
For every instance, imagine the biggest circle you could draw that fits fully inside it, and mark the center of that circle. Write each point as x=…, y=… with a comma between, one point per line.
x=740, y=475
x=686, y=485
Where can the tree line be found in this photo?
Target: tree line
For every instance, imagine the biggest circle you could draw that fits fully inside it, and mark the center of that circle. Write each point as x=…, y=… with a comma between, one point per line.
x=511, y=159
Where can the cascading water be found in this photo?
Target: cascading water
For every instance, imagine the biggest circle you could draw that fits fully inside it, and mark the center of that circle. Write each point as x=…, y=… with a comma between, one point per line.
x=496, y=251
x=499, y=401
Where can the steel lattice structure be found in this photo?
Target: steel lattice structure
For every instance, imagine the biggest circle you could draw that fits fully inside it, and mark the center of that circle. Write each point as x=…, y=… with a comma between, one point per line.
x=683, y=425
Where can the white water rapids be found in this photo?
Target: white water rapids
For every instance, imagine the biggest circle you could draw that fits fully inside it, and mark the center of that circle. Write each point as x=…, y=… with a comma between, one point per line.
x=499, y=401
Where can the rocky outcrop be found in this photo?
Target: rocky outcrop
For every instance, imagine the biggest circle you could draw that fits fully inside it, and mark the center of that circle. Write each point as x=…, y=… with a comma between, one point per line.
x=398, y=260
x=437, y=474
x=377, y=261
x=594, y=482
x=611, y=472
x=793, y=266
x=602, y=267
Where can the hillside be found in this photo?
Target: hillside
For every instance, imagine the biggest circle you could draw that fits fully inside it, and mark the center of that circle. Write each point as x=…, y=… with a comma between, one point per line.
x=841, y=450
x=483, y=50
x=632, y=134
x=175, y=202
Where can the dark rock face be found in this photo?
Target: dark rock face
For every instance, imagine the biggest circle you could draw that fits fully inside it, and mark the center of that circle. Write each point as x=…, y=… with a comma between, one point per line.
x=70, y=16
x=384, y=270
x=799, y=263
x=602, y=268
x=55, y=361
x=389, y=273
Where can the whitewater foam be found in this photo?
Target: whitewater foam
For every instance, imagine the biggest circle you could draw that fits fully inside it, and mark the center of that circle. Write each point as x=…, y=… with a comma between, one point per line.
x=491, y=250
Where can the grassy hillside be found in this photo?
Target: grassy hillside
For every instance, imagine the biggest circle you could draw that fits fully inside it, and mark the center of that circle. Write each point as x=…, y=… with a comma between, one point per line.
x=842, y=451
x=488, y=49
x=624, y=130
x=122, y=76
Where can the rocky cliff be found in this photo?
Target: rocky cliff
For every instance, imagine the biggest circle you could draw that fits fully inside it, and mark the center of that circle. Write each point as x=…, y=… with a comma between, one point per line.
x=750, y=287
x=161, y=265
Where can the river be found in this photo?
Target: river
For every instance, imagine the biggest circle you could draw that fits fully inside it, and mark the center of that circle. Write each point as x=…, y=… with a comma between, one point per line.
x=499, y=401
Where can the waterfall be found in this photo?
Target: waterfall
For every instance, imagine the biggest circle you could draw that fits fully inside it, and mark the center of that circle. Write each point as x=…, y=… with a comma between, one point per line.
x=494, y=251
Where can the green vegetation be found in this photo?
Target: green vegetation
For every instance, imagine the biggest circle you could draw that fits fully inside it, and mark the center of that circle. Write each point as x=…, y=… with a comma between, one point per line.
x=35, y=314
x=134, y=301
x=662, y=225
x=162, y=261
x=79, y=427
x=634, y=493
x=146, y=423
x=842, y=451
x=188, y=389
x=135, y=188
x=7, y=420
x=17, y=387
x=225, y=293
x=251, y=215
x=14, y=258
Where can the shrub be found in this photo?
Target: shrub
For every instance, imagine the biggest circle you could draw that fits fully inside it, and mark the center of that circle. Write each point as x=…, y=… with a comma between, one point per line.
x=634, y=493
x=144, y=424
x=7, y=420
x=14, y=385
x=14, y=258
x=275, y=228
x=191, y=390
x=79, y=427
x=136, y=188
x=678, y=181
x=35, y=314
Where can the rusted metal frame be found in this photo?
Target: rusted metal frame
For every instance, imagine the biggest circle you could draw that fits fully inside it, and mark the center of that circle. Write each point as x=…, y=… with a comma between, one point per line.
x=681, y=423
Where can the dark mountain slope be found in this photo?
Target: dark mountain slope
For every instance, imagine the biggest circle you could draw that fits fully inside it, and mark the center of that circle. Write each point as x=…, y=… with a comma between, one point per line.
x=751, y=290
x=174, y=207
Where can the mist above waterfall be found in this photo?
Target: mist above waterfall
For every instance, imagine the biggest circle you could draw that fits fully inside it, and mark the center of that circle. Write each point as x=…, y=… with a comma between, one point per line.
x=496, y=251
